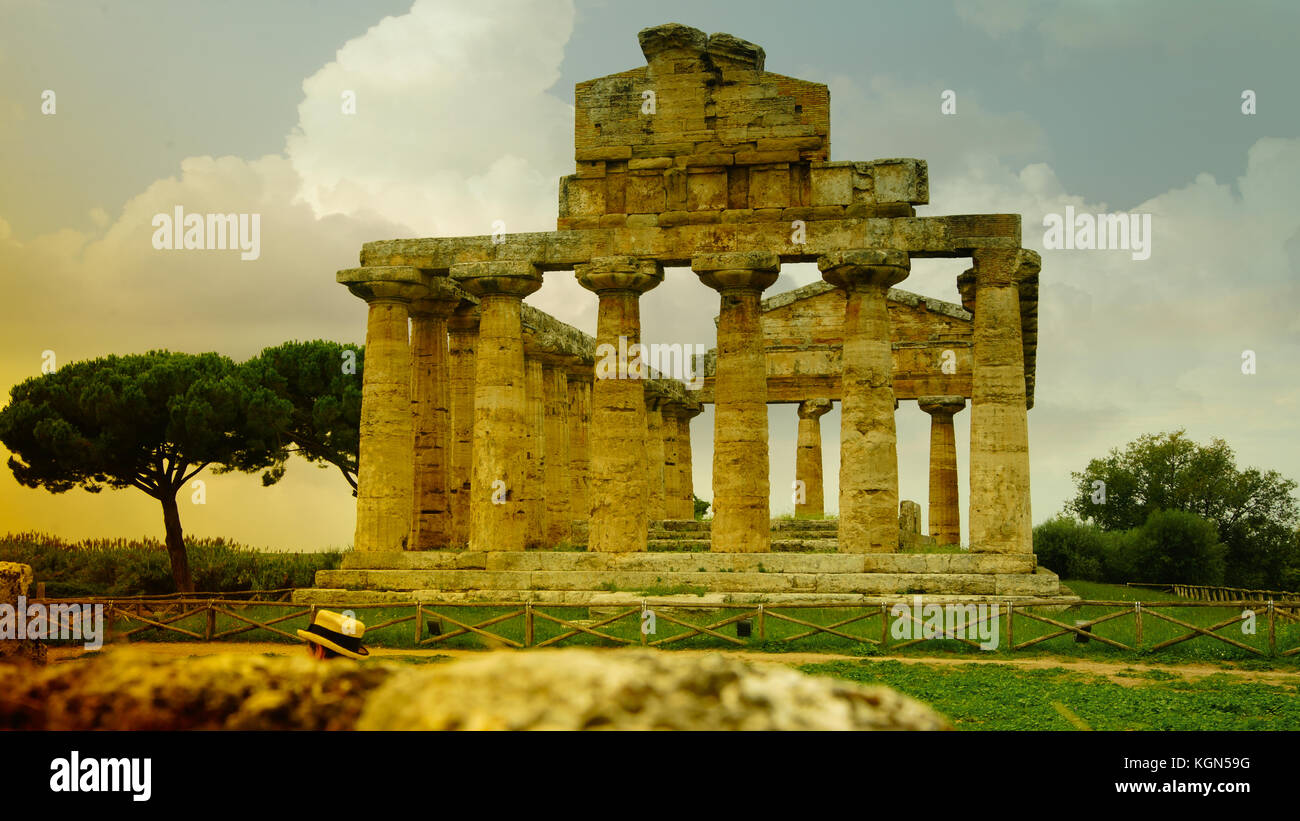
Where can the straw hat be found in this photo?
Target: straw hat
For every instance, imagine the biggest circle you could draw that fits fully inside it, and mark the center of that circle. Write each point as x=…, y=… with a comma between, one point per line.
x=337, y=632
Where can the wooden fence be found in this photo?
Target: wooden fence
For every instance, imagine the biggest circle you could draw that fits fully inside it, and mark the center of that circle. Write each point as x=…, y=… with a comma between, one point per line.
x=1205, y=592
x=516, y=624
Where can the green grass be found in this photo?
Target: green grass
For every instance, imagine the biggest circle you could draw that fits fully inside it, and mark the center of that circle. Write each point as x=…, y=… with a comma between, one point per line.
x=1003, y=697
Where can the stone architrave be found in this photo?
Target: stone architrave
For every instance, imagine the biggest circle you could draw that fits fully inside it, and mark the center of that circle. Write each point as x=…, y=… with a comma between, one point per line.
x=741, y=521
x=579, y=381
x=557, y=517
x=619, y=522
x=385, y=457
x=498, y=520
x=533, y=492
x=868, y=442
x=462, y=329
x=999, y=422
x=654, y=456
x=685, y=467
x=808, y=459
x=945, y=516
x=430, y=400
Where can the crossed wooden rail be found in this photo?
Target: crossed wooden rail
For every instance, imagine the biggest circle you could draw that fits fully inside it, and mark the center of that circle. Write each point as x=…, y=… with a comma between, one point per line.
x=162, y=614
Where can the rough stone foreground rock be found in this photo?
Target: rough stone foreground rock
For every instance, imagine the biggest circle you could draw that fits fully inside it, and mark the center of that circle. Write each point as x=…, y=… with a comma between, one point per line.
x=633, y=690
x=15, y=578
x=129, y=689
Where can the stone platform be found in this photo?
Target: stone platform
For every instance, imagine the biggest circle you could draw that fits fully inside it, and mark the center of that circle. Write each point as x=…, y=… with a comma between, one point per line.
x=679, y=568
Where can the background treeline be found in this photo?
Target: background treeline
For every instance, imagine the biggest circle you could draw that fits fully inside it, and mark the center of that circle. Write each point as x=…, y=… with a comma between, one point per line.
x=1168, y=510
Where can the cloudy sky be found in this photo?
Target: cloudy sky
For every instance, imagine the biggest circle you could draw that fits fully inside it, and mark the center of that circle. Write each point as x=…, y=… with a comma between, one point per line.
x=464, y=116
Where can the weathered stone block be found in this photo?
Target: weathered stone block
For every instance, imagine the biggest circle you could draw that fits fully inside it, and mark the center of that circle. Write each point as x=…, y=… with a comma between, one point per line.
x=832, y=184
x=901, y=180
x=612, y=152
x=645, y=194
x=706, y=191
x=769, y=188
x=582, y=197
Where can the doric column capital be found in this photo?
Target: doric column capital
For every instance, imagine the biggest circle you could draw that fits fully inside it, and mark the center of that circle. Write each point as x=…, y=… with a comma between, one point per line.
x=1005, y=266
x=619, y=273
x=504, y=276
x=878, y=267
x=440, y=301
x=393, y=283
x=814, y=408
x=465, y=317
x=941, y=405
x=754, y=270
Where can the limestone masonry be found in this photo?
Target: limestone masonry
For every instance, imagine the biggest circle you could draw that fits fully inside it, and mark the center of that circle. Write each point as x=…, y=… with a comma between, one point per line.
x=498, y=464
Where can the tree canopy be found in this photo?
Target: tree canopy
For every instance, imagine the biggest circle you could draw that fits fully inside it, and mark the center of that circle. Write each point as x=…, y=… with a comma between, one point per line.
x=1254, y=511
x=318, y=384
x=149, y=421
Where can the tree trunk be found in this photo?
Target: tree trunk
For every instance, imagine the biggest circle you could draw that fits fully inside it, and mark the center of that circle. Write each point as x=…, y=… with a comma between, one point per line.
x=176, y=546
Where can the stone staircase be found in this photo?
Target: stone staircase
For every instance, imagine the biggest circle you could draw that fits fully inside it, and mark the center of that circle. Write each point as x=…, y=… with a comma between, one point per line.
x=804, y=566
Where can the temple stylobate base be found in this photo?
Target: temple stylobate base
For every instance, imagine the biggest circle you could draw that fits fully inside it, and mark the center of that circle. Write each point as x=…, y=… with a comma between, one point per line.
x=679, y=558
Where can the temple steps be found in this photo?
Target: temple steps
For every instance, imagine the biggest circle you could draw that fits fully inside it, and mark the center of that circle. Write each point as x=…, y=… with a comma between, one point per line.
x=587, y=588
x=556, y=560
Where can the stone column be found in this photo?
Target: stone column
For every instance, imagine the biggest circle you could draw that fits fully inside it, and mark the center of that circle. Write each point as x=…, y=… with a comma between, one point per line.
x=945, y=518
x=999, y=422
x=654, y=457
x=580, y=377
x=498, y=520
x=808, y=458
x=532, y=494
x=618, y=485
x=868, y=444
x=430, y=398
x=672, y=471
x=385, y=459
x=463, y=338
x=686, y=468
x=558, y=518
x=741, y=520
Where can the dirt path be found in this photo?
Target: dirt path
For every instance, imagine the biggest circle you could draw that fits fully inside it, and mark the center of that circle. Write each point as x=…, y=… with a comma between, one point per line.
x=1118, y=672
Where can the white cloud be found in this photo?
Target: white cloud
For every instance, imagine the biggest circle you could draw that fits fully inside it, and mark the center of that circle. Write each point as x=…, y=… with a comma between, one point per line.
x=454, y=126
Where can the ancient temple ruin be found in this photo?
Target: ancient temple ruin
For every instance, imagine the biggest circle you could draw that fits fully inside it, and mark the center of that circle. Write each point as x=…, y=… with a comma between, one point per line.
x=488, y=439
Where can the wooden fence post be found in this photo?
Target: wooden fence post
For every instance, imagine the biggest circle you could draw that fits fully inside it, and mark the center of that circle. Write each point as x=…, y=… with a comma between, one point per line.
x=884, y=626
x=1137, y=618
x=762, y=624
x=210, y=622
x=1011, y=626
x=1272, y=639
x=419, y=623
x=528, y=623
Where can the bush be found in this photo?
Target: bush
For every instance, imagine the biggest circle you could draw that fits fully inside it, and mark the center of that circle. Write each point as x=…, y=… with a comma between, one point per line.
x=1072, y=549
x=1176, y=547
x=118, y=567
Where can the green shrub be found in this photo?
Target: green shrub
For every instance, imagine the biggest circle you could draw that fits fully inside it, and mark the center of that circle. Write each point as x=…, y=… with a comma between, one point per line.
x=1177, y=547
x=118, y=567
x=1073, y=549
